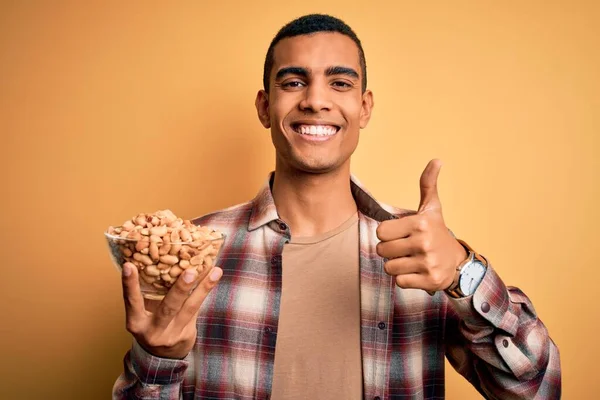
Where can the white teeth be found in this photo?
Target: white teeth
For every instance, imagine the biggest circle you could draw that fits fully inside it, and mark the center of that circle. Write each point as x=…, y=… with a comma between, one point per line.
x=317, y=130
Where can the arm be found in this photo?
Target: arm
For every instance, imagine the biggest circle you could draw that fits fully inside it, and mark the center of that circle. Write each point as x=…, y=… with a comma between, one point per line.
x=159, y=360
x=496, y=340
x=494, y=337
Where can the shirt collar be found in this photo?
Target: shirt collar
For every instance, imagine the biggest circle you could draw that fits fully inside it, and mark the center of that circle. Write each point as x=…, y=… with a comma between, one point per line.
x=264, y=211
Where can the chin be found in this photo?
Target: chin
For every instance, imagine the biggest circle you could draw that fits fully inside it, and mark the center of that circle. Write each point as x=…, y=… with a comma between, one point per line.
x=315, y=166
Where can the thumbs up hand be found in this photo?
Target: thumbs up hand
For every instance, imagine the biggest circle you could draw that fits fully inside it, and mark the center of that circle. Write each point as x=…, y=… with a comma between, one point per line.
x=421, y=252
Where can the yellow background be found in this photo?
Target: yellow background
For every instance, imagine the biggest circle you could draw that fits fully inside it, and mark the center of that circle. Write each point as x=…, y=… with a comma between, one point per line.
x=110, y=109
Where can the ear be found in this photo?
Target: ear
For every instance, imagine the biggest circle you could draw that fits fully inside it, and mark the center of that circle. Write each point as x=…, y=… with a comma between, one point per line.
x=262, y=108
x=367, y=107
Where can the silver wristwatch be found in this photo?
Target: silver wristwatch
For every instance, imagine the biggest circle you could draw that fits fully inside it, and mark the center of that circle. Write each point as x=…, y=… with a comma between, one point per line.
x=469, y=274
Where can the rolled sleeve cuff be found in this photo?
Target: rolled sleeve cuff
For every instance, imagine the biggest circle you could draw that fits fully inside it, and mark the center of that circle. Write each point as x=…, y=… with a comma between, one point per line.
x=520, y=365
x=488, y=305
x=153, y=370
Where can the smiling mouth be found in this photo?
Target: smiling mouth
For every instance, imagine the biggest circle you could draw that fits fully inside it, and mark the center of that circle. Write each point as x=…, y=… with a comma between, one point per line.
x=315, y=129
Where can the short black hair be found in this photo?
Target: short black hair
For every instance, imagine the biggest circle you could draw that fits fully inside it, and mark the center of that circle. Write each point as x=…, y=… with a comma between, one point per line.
x=313, y=23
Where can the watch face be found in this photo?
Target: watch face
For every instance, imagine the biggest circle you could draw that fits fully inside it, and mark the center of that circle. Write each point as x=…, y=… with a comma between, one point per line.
x=471, y=276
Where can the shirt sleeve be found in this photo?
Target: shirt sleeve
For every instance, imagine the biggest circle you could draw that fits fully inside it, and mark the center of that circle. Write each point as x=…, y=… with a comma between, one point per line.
x=495, y=339
x=148, y=377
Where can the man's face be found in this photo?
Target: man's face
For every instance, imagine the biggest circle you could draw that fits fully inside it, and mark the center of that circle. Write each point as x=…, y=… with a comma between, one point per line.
x=315, y=106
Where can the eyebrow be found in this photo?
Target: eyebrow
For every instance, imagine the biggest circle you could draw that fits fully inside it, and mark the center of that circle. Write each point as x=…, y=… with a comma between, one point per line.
x=303, y=72
x=341, y=71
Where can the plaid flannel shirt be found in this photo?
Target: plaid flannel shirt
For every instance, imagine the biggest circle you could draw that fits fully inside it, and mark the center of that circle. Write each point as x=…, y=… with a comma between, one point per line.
x=493, y=338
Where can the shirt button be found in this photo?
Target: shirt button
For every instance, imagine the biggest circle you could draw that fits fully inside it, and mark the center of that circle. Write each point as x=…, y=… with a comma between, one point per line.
x=485, y=307
x=381, y=325
x=275, y=260
x=268, y=330
x=505, y=343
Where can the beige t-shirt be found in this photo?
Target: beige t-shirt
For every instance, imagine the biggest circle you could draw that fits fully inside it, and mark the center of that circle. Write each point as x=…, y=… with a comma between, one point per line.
x=317, y=355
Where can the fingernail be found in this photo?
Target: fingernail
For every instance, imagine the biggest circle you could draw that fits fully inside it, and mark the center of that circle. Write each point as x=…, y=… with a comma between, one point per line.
x=189, y=275
x=215, y=274
x=126, y=270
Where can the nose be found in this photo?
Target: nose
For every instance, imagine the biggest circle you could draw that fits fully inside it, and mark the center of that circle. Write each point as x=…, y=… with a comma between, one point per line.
x=316, y=98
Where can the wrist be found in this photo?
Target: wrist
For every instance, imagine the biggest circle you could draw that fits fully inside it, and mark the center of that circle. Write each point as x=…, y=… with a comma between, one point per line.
x=178, y=352
x=468, y=274
x=461, y=254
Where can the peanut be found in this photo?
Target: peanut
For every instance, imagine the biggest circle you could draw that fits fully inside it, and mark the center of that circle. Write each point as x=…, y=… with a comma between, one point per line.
x=142, y=258
x=203, y=245
x=176, y=224
x=147, y=278
x=185, y=235
x=152, y=270
x=163, y=266
x=155, y=239
x=196, y=235
x=161, y=246
x=205, y=251
x=128, y=225
x=141, y=244
x=184, y=255
x=140, y=220
x=175, y=249
x=126, y=251
x=158, y=230
x=197, y=260
x=169, y=259
x=164, y=249
x=154, y=251
x=134, y=235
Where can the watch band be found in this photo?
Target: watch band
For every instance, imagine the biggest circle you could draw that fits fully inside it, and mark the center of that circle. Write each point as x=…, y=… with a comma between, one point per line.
x=454, y=289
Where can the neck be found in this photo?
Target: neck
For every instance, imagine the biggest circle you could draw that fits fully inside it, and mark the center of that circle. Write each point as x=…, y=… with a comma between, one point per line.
x=312, y=204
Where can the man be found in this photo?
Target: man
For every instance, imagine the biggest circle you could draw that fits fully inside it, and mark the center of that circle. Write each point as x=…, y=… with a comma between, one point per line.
x=325, y=293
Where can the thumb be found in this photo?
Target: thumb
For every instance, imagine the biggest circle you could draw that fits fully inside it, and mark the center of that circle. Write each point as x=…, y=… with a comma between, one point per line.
x=428, y=184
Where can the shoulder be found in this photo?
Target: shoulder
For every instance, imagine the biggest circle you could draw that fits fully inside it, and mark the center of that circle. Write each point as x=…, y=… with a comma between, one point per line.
x=226, y=219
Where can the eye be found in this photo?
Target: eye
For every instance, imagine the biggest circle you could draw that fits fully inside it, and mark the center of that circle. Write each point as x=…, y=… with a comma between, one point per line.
x=341, y=85
x=293, y=84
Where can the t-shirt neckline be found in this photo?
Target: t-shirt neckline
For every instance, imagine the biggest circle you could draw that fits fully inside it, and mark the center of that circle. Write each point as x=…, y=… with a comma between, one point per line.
x=326, y=235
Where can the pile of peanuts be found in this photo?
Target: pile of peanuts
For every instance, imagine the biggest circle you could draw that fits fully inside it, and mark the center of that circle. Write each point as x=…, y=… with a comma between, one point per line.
x=161, y=246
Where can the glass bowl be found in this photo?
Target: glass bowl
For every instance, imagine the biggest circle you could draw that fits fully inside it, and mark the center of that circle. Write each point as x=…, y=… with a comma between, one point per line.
x=161, y=255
